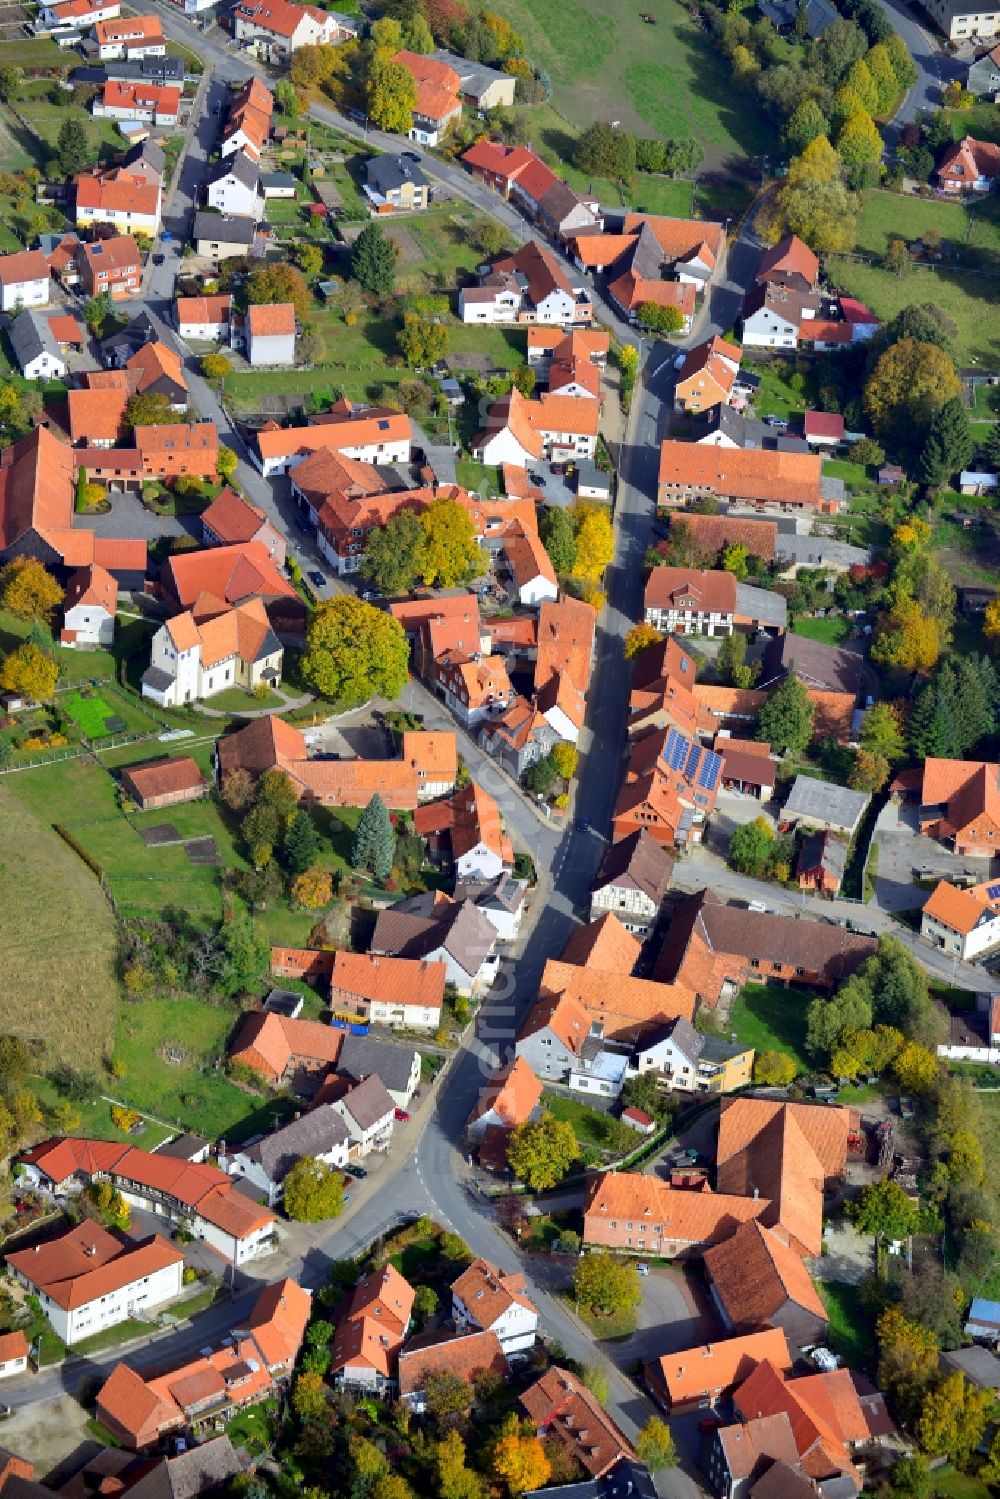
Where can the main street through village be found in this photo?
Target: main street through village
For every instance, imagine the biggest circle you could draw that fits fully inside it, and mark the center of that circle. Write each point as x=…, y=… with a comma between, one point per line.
x=427, y=1171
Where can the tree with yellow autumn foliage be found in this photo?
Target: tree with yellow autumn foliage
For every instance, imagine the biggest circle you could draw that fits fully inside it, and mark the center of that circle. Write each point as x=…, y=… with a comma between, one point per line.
x=28, y=590
x=30, y=673
x=595, y=541
x=639, y=637
x=313, y=888
x=907, y=637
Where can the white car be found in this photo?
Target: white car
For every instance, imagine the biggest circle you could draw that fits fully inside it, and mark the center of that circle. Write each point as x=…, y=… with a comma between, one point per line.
x=642, y=1269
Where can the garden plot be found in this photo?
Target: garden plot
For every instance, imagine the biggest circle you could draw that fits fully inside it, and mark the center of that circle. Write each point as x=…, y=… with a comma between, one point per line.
x=407, y=249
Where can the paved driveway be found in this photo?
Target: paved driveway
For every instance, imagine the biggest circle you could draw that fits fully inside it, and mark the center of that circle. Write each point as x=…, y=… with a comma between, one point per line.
x=675, y=1313
x=901, y=850
x=129, y=518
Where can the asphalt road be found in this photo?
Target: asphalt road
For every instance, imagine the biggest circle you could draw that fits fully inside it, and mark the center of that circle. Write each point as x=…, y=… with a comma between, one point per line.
x=935, y=68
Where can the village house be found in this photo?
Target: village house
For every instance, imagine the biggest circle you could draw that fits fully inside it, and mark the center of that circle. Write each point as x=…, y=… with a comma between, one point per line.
x=248, y=123
x=669, y=788
x=132, y=36
x=774, y=315
x=287, y=1052
x=397, y=1066
x=751, y=1458
x=368, y=1339
x=87, y=1279
x=24, y=280
x=560, y=1405
x=175, y=1188
x=204, y=319
x=437, y=929
x=755, y=1280
x=231, y=520
x=467, y=1356
x=321, y=1134
x=632, y=881
x=524, y=431
x=481, y=87
x=234, y=574
x=501, y=900
x=14, y=1360
x=789, y=263
x=368, y=1112
x=747, y=766
x=552, y=1036
x=224, y=236
x=821, y=863
x=523, y=178
x=655, y=261
x=437, y=96
x=642, y=1215
x=113, y=196
x=394, y=184
x=147, y=102
x=154, y=369
x=273, y=29
x=89, y=607
x=970, y=167
x=510, y=1098
x=468, y=831
x=826, y=1415
x=398, y=992
x=963, y=922
x=374, y=435
x=270, y=334
x=113, y=266
x=688, y=1061
x=140, y=1411
x=485, y=1299
x=66, y=18
x=983, y=80
x=824, y=807
x=233, y=186
x=707, y=376
x=701, y=1378
x=191, y=660
x=527, y=286
x=790, y=481
x=35, y=347
x=960, y=805
x=683, y=601
x=163, y=783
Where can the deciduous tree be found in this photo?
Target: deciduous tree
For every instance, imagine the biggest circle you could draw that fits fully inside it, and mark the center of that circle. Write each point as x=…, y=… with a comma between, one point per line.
x=953, y=1418
x=455, y=1479
x=354, y=651
x=750, y=847
x=785, y=720
x=541, y=1151
x=565, y=759
x=392, y=96
x=313, y=1191
x=907, y=637
x=774, y=1068
x=151, y=408
x=858, y=141
x=310, y=1396
x=605, y=1284
x=30, y=673
x=422, y=340
x=654, y=1445
x=595, y=542
x=916, y=1068
x=559, y=539
x=278, y=281
x=643, y=635
x=907, y=1359
x=520, y=1462
x=215, y=366
x=659, y=318
x=910, y=383
x=28, y=590
x=884, y=1210
x=393, y=554
x=450, y=553
x=869, y=772
x=882, y=732
x=237, y=789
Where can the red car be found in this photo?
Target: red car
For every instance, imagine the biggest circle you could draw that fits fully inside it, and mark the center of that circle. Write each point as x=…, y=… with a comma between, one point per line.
x=709, y=1423
x=402, y=1116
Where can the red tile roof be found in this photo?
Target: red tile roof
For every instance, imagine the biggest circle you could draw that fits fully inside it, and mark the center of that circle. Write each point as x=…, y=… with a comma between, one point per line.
x=24, y=265
x=512, y=1094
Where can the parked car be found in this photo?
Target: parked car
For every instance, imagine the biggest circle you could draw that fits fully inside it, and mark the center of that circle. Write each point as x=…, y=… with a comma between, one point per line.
x=402, y=1117
x=777, y=422
x=642, y=1269
x=302, y=525
x=159, y=259
x=357, y=1171
x=316, y=578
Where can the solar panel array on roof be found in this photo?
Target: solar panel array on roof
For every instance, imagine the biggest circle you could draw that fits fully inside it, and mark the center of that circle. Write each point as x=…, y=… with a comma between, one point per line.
x=692, y=763
x=675, y=750
x=383, y=426
x=994, y=892
x=709, y=773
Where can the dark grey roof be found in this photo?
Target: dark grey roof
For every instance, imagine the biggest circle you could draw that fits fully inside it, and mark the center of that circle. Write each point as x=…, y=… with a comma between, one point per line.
x=820, y=851
x=185, y=1147
x=503, y=894
x=224, y=228
x=202, y=1468
x=979, y=1365
x=628, y=1479
x=141, y=330
x=277, y=179
x=368, y=1102
x=388, y=173
x=237, y=165
x=314, y=1134
x=475, y=77
x=761, y=604
x=30, y=335
x=149, y=152
x=367, y=1056
x=284, y=1002
x=746, y=431
x=157, y=678
x=25, y=1488
x=820, y=551
x=819, y=14
x=682, y=1033
x=826, y=667
x=825, y=802
x=409, y=930
x=269, y=645
x=146, y=70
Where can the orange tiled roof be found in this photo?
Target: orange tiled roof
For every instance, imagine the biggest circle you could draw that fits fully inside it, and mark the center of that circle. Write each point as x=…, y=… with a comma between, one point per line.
x=281, y=442
x=13, y=1345
x=24, y=265
x=719, y=1366
x=754, y=1274
x=278, y=1321
x=826, y=1129
x=233, y=573
x=36, y=487
x=155, y=361
x=561, y=1405
x=160, y=777
x=603, y=945
x=444, y=1352
x=713, y=532
x=92, y=585
x=961, y=910
x=214, y=309
x=668, y=1212
x=679, y=239
x=129, y=29
x=119, y=191
x=710, y=592
x=565, y=1016
x=432, y=753
x=270, y=320
x=97, y=415
x=752, y=473
x=790, y=256
x=269, y=1043
x=488, y=1293
x=118, y=94
x=624, y=1005
x=394, y=981
x=119, y=254
x=512, y=1093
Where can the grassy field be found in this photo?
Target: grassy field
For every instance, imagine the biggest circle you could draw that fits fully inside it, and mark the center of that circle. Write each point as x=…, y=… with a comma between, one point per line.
x=770, y=1017
x=592, y=1126
x=969, y=295
x=59, y=935
x=95, y=1117
x=948, y=1483
x=828, y=631
x=478, y=476
x=33, y=52
x=47, y=119
x=850, y=1332
x=606, y=64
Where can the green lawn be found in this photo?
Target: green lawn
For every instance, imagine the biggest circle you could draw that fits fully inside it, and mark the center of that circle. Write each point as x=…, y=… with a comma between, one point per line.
x=770, y=1017
x=850, y=1331
x=95, y=1117
x=47, y=119
x=252, y=1428
x=853, y=474
x=608, y=1328
x=967, y=294
x=982, y=122
x=472, y=475
x=947, y=1483
x=829, y=631
x=592, y=1126
x=112, y=1337
x=235, y=700
x=33, y=52
x=89, y=712
x=670, y=79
